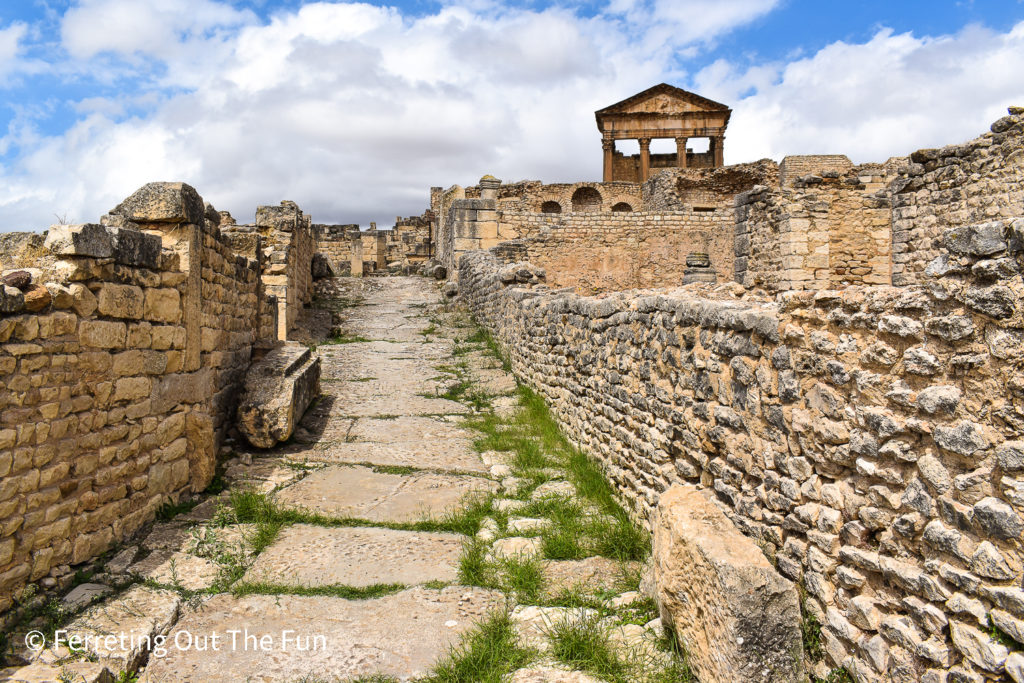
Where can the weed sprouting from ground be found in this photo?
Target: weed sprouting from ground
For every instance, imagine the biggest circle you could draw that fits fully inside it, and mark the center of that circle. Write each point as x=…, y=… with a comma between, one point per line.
x=486, y=654
x=378, y=590
x=583, y=644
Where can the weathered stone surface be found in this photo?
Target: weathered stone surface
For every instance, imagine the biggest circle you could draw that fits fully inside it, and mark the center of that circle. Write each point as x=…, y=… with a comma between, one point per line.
x=163, y=202
x=84, y=594
x=177, y=569
x=400, y=635
x=366, y=494
x=76, y=672
x=21, y=279
x=278, y=389
x=125, y=245
x=306, y=555
x=140, y=614
x=738, y=619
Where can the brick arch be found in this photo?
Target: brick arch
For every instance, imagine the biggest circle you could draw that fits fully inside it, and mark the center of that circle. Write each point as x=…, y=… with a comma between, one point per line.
x=550, y=206
x=623, y=207
x=587, y=198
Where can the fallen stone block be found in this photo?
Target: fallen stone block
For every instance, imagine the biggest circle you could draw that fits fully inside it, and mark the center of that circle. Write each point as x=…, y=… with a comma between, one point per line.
x=738, y=619
x=278, y=389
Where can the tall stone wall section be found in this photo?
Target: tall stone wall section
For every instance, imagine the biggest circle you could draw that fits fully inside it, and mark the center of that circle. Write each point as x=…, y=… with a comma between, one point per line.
x=287, y=244
x=121, y=367
x=601, y=252
x=955, y=186
x=816, y=232
x=866, y=438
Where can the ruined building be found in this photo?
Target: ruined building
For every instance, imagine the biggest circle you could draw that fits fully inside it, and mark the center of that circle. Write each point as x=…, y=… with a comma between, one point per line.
x=663, y=111
x=829, y=356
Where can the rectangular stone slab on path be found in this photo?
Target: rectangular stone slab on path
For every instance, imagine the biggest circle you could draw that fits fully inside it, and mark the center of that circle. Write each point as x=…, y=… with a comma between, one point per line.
x=305, y=555
x=381, y=497
x=441, y=455
x=399, y=635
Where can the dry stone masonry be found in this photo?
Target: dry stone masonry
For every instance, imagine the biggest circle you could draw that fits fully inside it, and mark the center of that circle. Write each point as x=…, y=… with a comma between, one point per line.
x=867, y=438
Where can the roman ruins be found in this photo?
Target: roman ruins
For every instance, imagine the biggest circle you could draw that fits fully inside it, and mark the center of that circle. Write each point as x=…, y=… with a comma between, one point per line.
x=803, y=380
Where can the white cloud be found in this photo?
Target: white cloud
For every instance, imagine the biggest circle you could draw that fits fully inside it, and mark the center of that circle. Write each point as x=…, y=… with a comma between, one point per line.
x=354, y=110
x=10, y=38
x=156, y=28
x=886, y=97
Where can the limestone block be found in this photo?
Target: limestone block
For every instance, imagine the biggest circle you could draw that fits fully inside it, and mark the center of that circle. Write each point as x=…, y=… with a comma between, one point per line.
x=278, y=389
x=163, y=203
x=737, y=617
x=120, y=301
x=163, y=305
x=124, y=245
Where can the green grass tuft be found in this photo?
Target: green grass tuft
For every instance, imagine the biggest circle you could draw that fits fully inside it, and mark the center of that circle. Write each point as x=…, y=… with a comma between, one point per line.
x=486, y=654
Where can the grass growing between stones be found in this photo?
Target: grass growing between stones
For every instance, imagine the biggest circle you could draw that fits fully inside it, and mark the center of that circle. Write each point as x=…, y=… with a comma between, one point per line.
x=378, y=590
x=247, y=506
x=486, y=654
x=343, y=338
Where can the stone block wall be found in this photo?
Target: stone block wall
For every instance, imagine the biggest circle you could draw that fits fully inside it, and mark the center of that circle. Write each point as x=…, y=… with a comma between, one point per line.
x=955, y=186
x=867, y=438
x=816, y=232
x=601, y=252
x=120, y=375
x=288, y=245
x=795, y=167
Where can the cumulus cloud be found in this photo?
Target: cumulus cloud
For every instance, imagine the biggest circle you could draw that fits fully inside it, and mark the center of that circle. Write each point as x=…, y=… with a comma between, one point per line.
x=886, y=97
x=355, y=110
x=10, y=37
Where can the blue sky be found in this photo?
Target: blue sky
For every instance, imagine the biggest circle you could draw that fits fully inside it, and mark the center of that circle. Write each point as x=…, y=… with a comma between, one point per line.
x=355, y=110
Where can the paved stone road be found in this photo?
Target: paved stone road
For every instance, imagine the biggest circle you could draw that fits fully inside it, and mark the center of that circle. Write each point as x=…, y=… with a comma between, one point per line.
x=377, y=410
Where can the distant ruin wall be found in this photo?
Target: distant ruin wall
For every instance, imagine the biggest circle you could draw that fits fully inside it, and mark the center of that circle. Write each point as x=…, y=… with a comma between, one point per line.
x=600, y=252
x=688, y=188
x=866, y=438
x=120, y=375
x=954, y=186
x=793, y=168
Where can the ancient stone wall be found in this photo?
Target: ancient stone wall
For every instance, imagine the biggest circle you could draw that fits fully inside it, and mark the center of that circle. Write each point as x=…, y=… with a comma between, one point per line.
x=816, y=232
x=954, y=186
x=866, y=438
x=714, y=188
x=121, y=365
x=288, y=245
x=600, y=252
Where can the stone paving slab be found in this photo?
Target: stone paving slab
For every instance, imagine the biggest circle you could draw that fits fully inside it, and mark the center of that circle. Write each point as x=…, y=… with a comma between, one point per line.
x=381, y=497
x=376, y=406
x=454, y=456
x=399, y=635
x=172, y=568
x=136, y=617
x=305, y=555
x=408, y=428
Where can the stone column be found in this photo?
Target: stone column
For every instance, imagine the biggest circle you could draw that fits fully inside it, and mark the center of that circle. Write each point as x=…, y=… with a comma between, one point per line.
x=681, y=152
x=357, y=256
x=609, y=152
x=718, y=146
x=645, y=158
x=382, y=250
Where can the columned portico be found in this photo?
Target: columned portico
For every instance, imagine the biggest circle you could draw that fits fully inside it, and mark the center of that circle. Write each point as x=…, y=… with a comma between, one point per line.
x=661, y=112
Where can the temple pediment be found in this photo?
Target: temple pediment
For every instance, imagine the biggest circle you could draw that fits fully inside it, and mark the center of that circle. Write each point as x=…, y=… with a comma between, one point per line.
x=663, y=99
